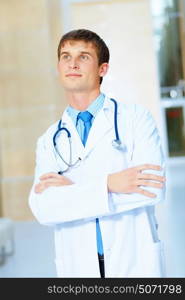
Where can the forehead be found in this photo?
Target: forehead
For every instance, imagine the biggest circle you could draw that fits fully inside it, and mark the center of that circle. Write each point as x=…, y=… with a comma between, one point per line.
x=78, y=45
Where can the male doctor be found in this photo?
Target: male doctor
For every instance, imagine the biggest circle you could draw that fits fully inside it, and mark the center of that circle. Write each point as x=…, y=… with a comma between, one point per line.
x=101, y=201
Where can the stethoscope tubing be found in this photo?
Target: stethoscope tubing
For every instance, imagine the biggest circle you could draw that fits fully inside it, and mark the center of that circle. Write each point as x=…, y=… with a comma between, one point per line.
x=116, y=143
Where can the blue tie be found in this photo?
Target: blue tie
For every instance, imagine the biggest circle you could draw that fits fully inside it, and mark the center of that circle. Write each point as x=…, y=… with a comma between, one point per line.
x=86, y=117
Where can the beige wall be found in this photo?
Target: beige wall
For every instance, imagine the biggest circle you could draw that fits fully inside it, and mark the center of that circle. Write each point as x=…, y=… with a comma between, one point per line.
x=29, y=93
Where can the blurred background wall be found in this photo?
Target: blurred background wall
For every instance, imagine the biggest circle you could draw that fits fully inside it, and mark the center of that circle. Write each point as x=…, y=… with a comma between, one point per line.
x=147, y=42
x=30, y=99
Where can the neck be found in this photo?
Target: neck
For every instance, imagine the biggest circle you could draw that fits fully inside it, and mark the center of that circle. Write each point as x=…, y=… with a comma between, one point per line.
x=82, y=100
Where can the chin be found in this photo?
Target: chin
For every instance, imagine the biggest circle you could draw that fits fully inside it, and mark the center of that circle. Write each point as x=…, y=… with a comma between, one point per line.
x=74, y=88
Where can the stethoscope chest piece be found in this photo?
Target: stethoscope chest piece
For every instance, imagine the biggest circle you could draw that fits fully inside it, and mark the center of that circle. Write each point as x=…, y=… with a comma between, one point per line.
x=118, y=145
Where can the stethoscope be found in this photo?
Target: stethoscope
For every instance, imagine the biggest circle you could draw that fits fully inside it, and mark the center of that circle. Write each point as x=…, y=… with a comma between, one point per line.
x=116, y=143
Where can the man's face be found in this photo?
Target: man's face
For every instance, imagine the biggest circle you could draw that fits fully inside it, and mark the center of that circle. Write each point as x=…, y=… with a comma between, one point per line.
x=78, y=67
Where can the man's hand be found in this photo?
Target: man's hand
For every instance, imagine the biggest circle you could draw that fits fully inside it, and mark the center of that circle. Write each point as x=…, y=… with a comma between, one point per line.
x=129, y=180
x=51, y=179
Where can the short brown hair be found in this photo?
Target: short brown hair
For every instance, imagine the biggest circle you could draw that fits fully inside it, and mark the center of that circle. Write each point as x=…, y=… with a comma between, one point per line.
x=89, y=37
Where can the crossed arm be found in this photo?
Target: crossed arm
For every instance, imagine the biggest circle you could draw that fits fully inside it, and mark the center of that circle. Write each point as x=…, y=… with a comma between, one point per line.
x=139, y=185
x=127, y=181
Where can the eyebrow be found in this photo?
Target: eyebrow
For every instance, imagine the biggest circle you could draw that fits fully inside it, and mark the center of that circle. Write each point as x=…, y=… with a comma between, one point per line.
x=82, y=52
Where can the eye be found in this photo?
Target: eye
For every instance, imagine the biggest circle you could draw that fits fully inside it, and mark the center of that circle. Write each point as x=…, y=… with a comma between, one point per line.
x=84, y=57
x=65, y=56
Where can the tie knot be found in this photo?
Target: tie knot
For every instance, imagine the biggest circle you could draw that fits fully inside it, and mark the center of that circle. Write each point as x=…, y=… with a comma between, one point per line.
x=85, y=116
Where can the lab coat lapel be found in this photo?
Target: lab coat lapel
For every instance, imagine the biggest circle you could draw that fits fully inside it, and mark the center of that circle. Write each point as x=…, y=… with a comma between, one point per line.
x=77, y=146
x=102, y=124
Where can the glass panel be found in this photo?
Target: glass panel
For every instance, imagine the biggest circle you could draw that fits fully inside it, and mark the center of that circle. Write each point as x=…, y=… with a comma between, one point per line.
x=168, y=46
x=175, y=117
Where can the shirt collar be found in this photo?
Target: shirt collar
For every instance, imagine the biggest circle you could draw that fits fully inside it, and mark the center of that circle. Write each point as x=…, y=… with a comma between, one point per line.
x=93, y=108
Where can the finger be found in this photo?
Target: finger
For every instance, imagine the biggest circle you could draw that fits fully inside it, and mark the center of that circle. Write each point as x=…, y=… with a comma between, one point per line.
x=150, y=183
x=51, y=181
x=145, y=193
x=151, y=177
x=41, y=186
x=59, y=178
x=148, y=166
x=50, y=175
x=58, y=183
x=55, y=182
x=50, y=184
x=38, y=188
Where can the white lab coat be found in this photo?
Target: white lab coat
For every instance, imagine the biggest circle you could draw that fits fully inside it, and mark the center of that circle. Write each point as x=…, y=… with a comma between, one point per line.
x=127, y=221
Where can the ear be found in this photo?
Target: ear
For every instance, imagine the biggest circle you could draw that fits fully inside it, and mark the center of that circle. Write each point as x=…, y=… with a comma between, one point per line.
x=103, y=69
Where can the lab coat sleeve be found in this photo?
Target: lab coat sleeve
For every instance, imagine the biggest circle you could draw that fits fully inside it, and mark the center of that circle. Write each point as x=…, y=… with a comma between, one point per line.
x=68, y=203
x=147, y=149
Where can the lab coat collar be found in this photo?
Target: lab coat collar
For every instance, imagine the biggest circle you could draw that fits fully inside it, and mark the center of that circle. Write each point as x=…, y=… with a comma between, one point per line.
x=102, y=124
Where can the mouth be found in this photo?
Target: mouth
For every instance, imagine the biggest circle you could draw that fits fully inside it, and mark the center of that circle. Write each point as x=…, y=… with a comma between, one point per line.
x=73, y=75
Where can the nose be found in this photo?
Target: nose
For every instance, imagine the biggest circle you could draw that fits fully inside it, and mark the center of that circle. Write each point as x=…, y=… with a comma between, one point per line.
x=74, y=64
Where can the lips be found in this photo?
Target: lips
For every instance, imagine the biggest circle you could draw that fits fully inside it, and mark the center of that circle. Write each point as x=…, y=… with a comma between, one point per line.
x=73, y=75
